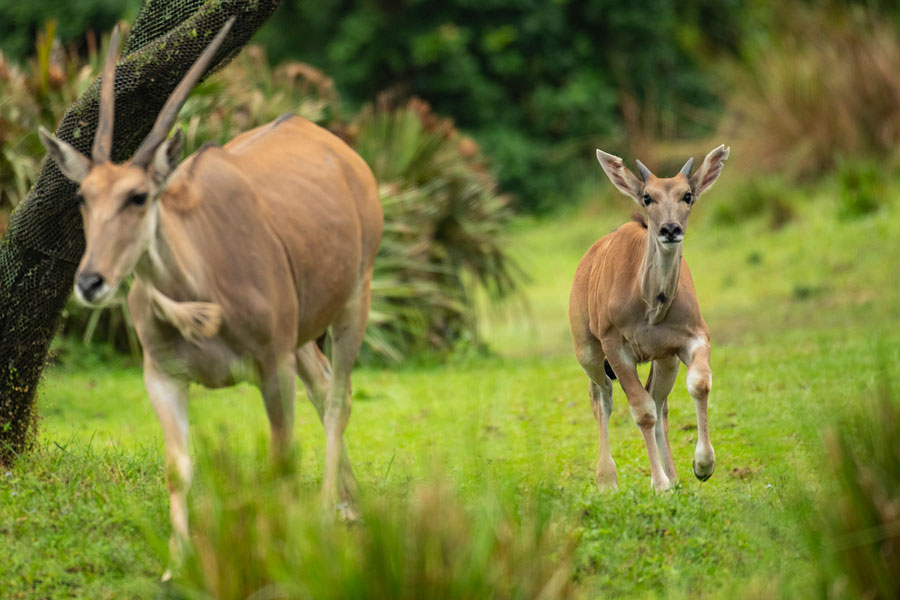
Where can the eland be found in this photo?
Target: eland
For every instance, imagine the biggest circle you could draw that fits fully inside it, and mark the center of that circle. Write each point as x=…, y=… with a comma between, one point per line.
x=242, y=255
x=633, y=301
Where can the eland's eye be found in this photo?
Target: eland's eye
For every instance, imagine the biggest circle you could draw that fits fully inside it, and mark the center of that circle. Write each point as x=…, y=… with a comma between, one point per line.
x=80, y=200
x=688, y=197
x=647, y=200
x=137, y=199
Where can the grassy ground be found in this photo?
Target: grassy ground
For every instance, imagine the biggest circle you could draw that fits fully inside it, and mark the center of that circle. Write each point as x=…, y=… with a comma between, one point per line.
x=804, y=322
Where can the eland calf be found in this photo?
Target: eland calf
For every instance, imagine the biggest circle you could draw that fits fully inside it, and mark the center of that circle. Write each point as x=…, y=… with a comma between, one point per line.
x=242, y=255
x=633, y=301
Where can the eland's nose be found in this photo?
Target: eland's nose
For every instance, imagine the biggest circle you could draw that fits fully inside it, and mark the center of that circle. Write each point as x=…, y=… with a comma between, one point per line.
x=670, y=230
x=89, y=284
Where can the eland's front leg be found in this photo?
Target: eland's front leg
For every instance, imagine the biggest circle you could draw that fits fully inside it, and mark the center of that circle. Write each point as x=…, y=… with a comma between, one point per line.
x=699, y=383
x=589, y=353
x=169, y=399
x=660, y=382
x=643, y=410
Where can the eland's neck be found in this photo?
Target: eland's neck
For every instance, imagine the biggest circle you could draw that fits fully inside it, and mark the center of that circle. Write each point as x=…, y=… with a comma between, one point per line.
x=659, y=277
x=164, y=263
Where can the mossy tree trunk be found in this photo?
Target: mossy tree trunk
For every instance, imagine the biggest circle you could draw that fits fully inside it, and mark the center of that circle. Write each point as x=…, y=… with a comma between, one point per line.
x=44, y=243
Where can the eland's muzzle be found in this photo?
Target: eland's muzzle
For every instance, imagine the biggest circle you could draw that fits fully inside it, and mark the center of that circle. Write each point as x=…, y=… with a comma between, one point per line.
x=670, y=233
x=89, y=286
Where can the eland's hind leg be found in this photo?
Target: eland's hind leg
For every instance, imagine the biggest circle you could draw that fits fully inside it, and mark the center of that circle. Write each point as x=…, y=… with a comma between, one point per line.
x=660, y=382
x=315, y=372
x=278, y=388
x=643, y=407
x=347, y=331
x=601, y=404
x=590, y=356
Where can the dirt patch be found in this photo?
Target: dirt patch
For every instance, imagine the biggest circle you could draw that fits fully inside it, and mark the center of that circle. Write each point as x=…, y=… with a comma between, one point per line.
x=742, y=473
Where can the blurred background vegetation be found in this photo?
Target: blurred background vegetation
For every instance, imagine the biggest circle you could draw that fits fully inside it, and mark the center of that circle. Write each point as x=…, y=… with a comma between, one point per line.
x=470, y=112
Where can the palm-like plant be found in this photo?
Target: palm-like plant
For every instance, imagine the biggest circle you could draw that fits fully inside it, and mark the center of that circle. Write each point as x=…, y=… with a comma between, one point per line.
x=444, y=225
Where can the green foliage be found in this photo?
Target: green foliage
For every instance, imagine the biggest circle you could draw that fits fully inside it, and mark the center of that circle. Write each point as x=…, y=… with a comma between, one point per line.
x=533, y=81
x=257, y=531
x=767, y=197
x=20, y=20
x=444, y=230
x=862, y=189
x=36, y=93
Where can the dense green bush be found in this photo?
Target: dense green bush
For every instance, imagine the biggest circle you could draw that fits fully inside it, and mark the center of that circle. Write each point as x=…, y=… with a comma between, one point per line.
x=536, y=82
x=444, y=230
x=19, y=21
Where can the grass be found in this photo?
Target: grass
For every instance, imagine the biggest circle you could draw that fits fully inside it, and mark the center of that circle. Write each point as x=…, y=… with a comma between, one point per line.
x=804, y=321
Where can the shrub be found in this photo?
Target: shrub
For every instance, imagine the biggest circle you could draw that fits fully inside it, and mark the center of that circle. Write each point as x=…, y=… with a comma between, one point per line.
x=444, y=224
x=36, y=93
x=822, y=87
x=862, y=189
x=19, y=21
x=550, y=74
x=763, y=197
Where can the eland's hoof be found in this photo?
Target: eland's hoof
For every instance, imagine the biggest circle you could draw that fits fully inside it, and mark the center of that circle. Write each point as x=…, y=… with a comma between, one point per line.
x=348, y=512
x=703, y=472
x=662, y=485
x=607, y=485
x=606, y=477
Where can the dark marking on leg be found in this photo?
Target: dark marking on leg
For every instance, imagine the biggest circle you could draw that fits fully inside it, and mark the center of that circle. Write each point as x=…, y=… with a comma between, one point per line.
x=609, y=372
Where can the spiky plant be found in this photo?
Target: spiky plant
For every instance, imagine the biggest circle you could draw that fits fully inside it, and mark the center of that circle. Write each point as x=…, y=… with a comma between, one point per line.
x=444, y=229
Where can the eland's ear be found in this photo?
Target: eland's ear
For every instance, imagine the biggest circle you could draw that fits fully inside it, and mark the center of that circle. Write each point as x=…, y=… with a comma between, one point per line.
x=624, y=180
x=167, y=157
x=73, y=164
x=709, y=171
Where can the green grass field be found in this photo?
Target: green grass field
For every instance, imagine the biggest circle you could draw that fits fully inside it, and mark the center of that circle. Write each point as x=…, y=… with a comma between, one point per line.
x=805, y=323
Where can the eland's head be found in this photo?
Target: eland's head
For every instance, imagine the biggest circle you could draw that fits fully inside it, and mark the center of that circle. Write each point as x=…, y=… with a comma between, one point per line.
x=667, y=201
x=119, y=202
